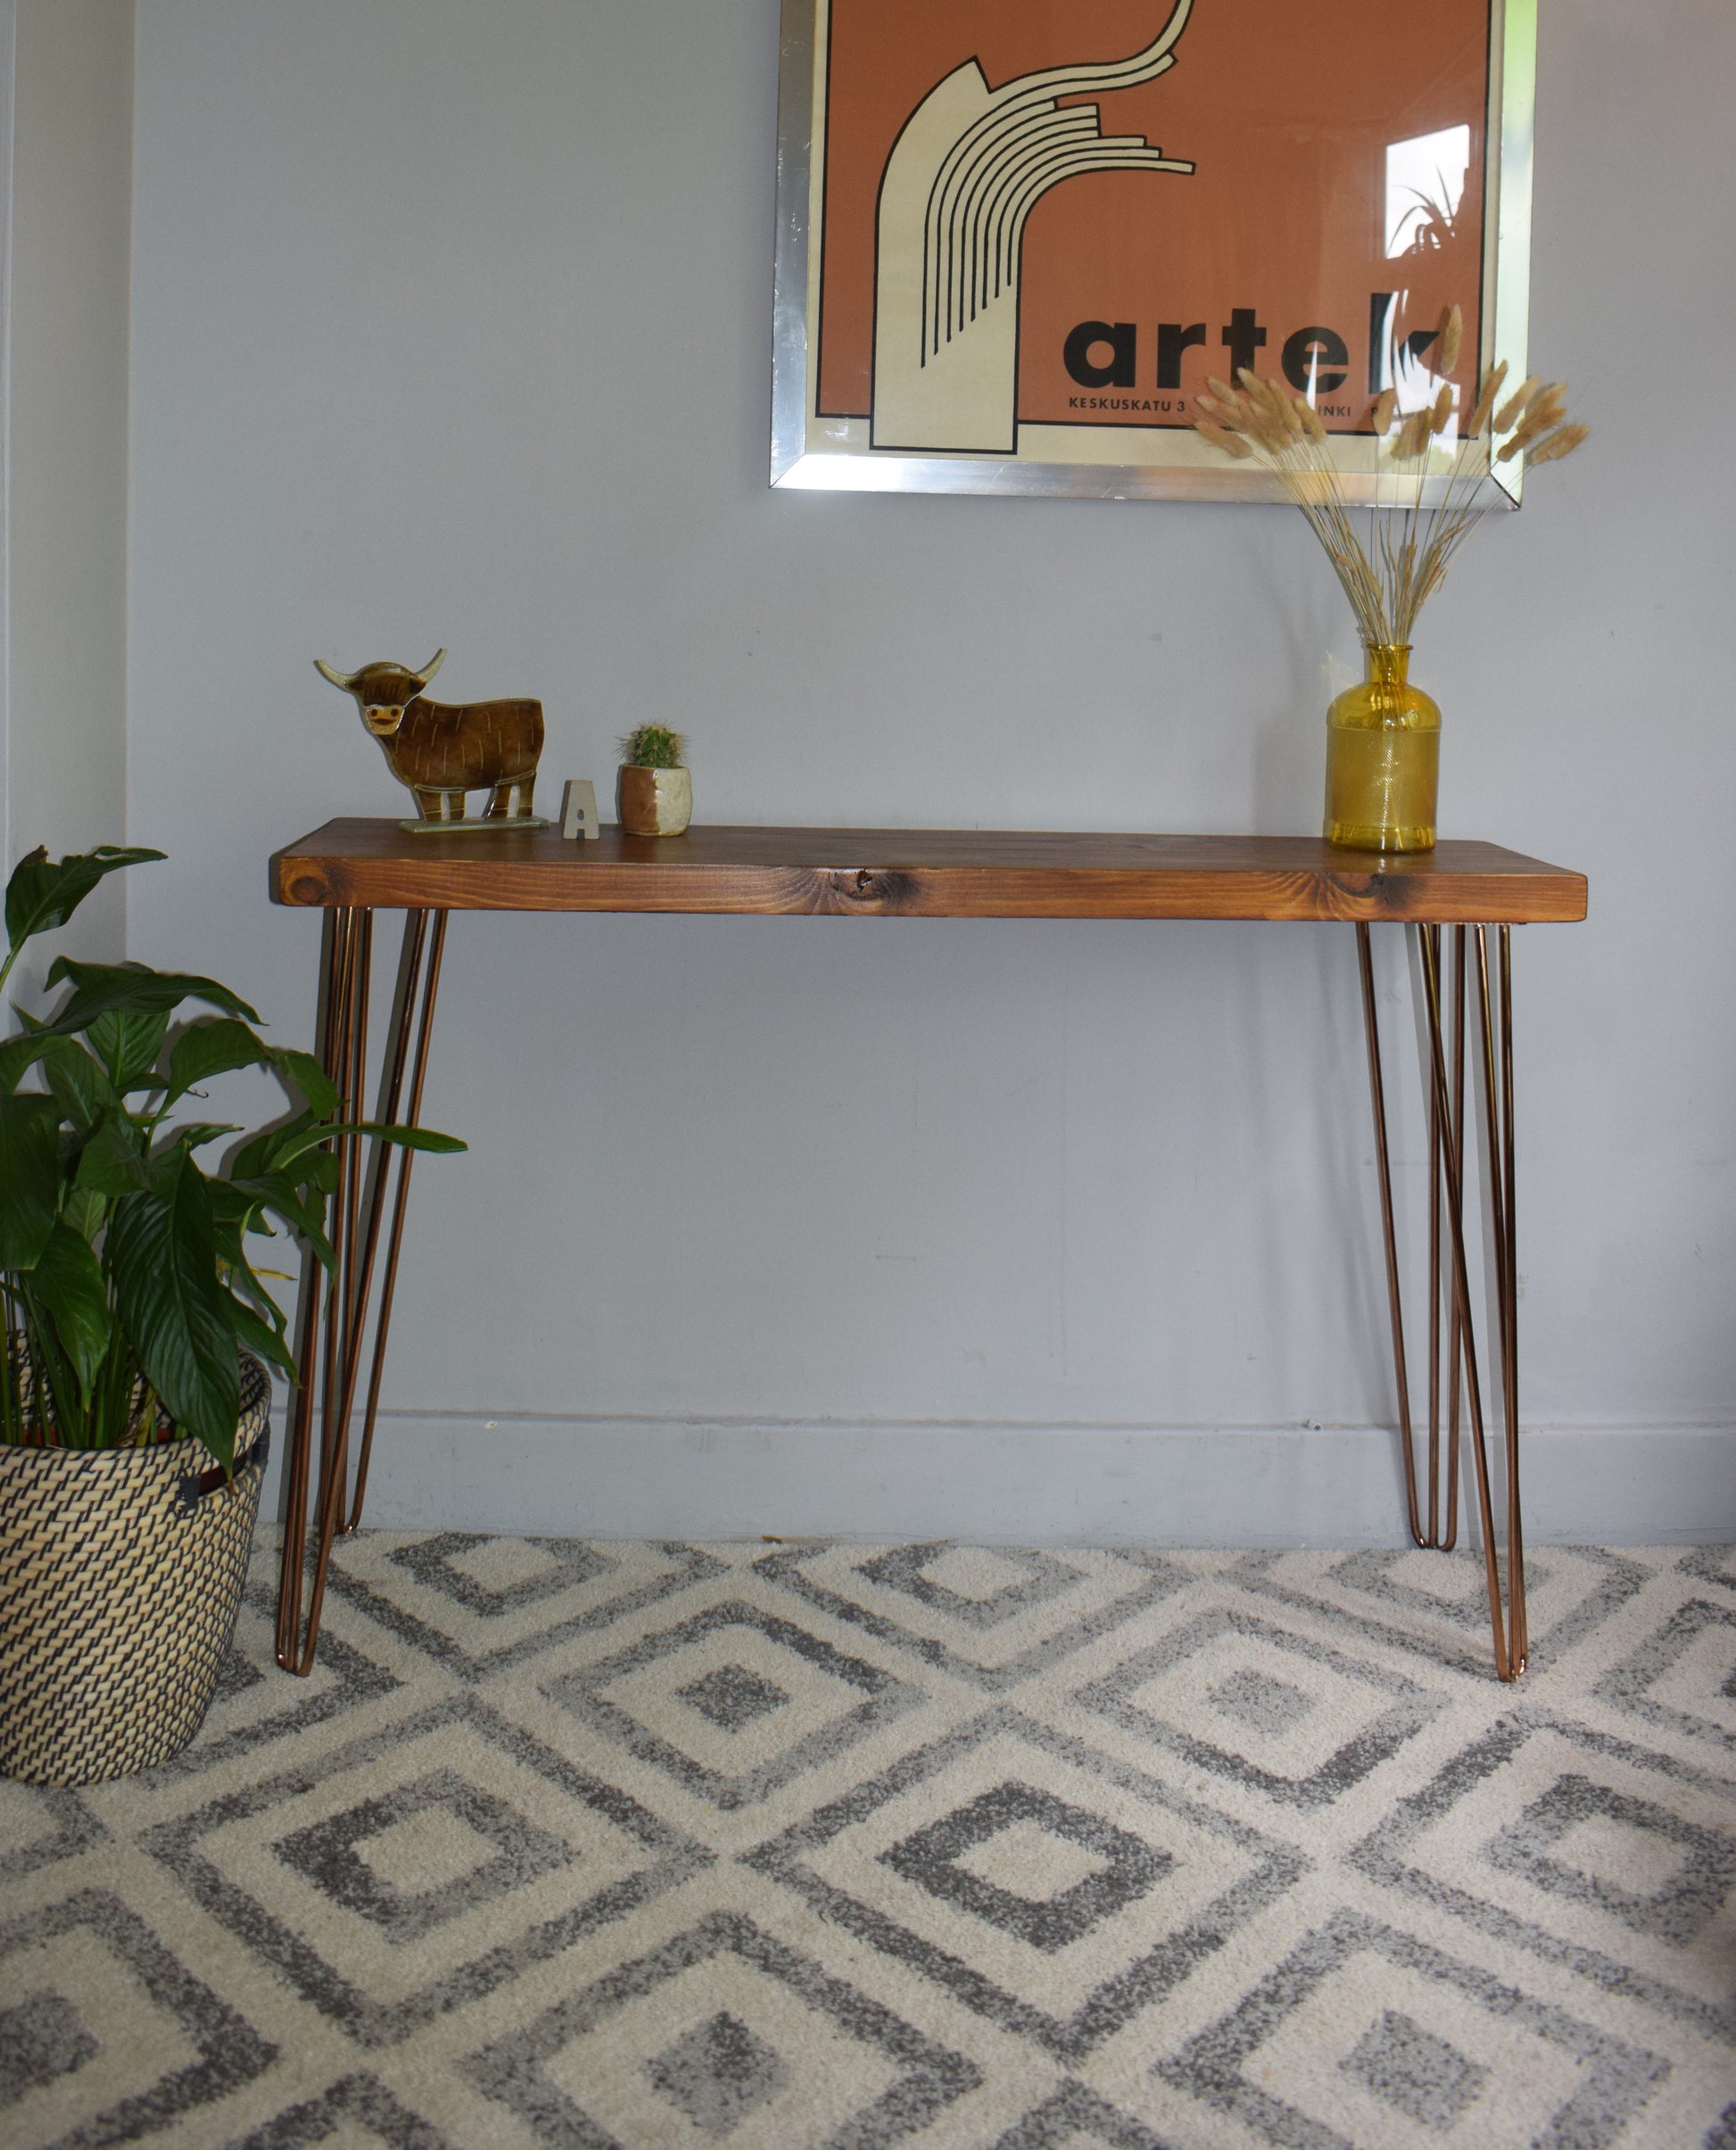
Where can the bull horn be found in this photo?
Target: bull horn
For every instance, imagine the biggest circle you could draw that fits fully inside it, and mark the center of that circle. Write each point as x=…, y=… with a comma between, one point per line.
x=432, y=666
x=338, y=679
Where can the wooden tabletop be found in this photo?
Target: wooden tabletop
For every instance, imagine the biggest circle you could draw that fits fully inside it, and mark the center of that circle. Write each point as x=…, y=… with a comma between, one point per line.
x=918, y=873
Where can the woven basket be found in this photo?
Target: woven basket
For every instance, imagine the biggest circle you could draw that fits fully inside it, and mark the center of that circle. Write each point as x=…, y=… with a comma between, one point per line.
x=120, y=1575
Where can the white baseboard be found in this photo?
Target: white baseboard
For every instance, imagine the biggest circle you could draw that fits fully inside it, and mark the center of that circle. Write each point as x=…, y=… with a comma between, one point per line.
x=990, y=1484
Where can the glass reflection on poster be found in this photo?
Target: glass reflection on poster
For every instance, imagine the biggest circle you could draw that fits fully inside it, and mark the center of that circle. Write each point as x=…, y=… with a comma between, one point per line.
x=1016, y=237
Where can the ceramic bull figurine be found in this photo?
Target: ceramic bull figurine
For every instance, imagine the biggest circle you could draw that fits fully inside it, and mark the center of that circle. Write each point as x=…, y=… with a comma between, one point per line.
x=444, y=749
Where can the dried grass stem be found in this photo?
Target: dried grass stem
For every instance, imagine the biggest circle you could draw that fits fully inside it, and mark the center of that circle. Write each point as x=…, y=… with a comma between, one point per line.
x=1389, y=576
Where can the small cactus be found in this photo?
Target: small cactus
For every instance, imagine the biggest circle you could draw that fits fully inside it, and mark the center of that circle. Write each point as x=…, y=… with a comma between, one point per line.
x=653, y=747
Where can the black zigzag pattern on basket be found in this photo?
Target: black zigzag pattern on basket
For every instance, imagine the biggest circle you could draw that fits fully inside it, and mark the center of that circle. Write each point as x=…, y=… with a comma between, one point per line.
x=118, y=1597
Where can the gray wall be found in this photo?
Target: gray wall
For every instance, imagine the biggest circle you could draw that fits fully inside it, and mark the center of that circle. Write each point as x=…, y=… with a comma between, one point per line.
x=65, y=760
x=451, y=326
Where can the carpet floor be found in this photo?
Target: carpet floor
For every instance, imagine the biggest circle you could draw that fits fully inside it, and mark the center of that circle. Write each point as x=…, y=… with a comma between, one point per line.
x=658, y=1847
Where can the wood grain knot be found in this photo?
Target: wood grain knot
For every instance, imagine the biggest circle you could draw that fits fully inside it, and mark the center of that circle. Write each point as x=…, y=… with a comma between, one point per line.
x=864, y=890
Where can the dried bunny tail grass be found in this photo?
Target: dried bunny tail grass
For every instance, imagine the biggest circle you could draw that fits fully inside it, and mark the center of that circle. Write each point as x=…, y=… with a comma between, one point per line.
x=1453, y=332
x=1249, y=419
x=1514, y=409
x=1269, y=438
x=1269, y=421
x=1562, y=442
x=1410, y=545
x=1267, y=393
x=1233, y=407
x=1314, y=487
x=1486, y=402
x=1219, y=436
x=1546, y=410
x=1230, y=408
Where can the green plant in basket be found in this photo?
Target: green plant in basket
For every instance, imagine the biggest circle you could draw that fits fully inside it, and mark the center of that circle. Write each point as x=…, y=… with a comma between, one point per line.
x=127, y=1287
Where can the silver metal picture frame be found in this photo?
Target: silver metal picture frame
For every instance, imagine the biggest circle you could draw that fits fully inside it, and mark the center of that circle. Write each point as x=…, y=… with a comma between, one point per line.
x=941, y=404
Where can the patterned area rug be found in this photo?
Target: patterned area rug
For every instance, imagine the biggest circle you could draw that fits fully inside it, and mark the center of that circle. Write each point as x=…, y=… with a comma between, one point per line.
x=666, y=1846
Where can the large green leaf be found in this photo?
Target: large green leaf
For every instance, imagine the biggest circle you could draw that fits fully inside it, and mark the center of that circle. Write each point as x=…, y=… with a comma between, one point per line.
x=84, y=1210
x=59, y=1398
x=19, y=1055
x=260, y=1337
x=129, y=1046
x=281, y=1193
x=112, y=1162
x=79, y=1082
x=162, y=1251
x=212, y=1047
x=316, y=1169
x=311, y=1164
x=246, y=1285
x=41, y=895
x=230, y=1205
x=68, y=1281
x=305, y=1215
x=255, y=1155
x=302, y=1071
x=132, y=988
x=407, y=1137
x=195, y=1134
x=291, y=1145
x=29, y=1178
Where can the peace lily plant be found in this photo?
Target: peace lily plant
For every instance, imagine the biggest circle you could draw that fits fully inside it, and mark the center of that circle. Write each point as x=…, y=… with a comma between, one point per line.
x=125, y=1284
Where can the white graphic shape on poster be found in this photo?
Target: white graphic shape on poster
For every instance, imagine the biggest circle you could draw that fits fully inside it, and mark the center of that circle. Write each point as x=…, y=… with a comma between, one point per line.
x=966, y=170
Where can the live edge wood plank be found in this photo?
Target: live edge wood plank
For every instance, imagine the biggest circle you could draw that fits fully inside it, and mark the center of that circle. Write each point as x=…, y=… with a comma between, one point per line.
x=920, y=873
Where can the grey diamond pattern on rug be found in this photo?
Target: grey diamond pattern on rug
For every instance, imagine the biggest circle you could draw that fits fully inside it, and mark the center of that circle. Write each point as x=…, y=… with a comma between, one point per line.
x=1415, y=2073
x=732, y=1697
x=717, y=2073
x=937, y=1859
x=42, y=2038
x=626, y=1698
x=829, y=1846
x=1699, y=1864
x=335, y=1854
x=358, y=2109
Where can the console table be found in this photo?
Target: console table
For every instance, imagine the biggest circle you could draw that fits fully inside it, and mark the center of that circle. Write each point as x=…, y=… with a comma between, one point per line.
x=1470, y=893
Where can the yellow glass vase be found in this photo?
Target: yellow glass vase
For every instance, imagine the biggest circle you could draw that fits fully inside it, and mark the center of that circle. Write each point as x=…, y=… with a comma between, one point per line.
x=1383, y=758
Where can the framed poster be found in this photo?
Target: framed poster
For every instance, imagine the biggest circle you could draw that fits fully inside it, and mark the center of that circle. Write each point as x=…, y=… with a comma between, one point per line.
x=1015, y=237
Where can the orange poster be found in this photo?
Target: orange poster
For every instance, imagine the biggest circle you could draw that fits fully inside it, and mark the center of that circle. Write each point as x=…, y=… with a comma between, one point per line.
x=1018, y=236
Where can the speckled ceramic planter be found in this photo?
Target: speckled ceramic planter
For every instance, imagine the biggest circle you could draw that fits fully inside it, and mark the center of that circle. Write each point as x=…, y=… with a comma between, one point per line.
x=654, y=802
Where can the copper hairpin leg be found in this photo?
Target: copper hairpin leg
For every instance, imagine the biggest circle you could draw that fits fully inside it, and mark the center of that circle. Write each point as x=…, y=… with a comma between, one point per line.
x=334, y=1315
x=1447, y=1142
